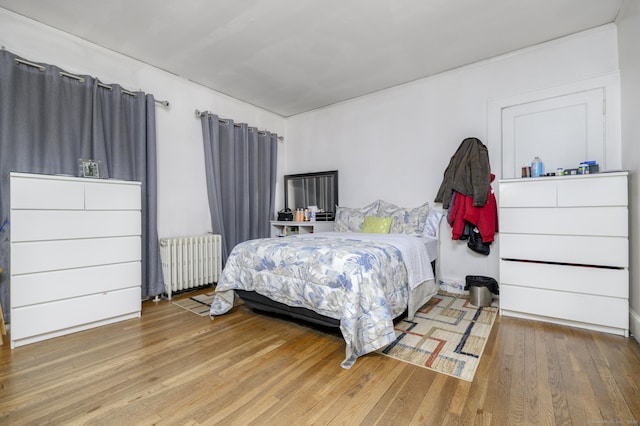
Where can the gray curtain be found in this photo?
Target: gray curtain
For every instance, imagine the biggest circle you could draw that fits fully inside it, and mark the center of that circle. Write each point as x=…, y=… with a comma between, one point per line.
x=48, y=121
x=240, y=164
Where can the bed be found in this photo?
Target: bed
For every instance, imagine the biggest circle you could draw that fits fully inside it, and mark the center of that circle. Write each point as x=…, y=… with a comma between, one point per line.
x=357, y=281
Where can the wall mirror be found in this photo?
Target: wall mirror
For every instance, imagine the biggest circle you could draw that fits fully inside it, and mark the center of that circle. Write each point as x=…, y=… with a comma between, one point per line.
x=313, y=189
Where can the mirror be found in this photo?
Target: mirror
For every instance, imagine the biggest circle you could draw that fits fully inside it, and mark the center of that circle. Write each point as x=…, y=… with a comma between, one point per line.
x=313, y=189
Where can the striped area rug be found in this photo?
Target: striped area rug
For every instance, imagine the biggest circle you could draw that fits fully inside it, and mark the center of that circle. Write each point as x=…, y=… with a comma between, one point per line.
x=447, y=335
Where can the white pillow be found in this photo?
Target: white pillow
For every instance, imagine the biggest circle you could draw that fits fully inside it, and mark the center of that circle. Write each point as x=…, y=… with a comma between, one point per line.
x=432, y=223
x=351, y=219
x=405, y=220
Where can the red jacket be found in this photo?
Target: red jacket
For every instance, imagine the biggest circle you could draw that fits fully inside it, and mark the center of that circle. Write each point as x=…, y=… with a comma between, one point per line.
x=485, y=218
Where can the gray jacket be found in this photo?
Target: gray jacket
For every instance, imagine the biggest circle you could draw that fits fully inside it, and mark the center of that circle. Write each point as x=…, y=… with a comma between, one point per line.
x=468, y=173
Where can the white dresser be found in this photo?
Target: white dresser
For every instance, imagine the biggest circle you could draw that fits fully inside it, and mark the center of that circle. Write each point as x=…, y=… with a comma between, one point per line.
x=75, y=254
x=564, y=250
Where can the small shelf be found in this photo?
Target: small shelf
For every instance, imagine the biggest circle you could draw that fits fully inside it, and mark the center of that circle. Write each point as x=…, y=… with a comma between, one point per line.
x=282, y=228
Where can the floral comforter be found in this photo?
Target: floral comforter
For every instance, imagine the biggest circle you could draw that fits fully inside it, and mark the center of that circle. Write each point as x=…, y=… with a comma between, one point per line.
x=360, y=279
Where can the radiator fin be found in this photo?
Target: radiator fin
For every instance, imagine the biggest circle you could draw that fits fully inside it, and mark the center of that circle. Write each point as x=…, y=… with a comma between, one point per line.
x=190, y=262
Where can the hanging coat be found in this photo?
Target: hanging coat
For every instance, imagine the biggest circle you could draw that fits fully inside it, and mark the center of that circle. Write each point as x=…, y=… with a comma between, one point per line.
x=468, y=173
x=484, y=218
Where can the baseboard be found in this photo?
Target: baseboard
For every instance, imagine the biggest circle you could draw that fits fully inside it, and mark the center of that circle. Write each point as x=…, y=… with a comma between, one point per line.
x=569, y=323
x=634, y=325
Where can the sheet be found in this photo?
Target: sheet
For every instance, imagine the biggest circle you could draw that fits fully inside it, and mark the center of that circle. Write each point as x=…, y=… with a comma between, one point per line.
x=360, y=279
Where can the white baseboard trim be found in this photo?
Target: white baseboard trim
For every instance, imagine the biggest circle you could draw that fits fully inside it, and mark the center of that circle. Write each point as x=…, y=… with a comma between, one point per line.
x=634, y=324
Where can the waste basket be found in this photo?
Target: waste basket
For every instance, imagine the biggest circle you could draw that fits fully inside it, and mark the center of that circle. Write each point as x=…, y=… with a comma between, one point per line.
x=481, y=289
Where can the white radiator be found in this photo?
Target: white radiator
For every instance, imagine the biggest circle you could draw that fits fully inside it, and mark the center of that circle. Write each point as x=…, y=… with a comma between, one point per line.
x=189, y=262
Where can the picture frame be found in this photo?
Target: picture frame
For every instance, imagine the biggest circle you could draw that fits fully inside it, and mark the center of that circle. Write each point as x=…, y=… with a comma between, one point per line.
x=89, y=168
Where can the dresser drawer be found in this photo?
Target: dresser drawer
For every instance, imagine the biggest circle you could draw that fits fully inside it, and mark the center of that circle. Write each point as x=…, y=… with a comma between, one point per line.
x=528, y=193
x=43, y=256
x=599, y=251
x=39, y=319
x=575, y=279
x=31, y=289
x=583, y=308
x=595, y=190
x=112, y=196
x=42, y=225
x=595, y=221
x=37, y=193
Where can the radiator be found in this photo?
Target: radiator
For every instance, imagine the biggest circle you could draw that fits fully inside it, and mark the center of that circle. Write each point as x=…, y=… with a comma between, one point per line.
x=190, y=262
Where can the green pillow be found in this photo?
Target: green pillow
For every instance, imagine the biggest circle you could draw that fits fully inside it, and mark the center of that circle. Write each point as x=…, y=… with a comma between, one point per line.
x=377, y=225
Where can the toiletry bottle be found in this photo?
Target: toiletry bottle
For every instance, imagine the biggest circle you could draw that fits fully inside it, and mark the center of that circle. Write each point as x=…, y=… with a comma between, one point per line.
x=537, y=168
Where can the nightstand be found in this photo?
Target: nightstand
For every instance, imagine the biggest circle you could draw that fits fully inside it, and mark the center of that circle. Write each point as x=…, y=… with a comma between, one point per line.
x=283, y=228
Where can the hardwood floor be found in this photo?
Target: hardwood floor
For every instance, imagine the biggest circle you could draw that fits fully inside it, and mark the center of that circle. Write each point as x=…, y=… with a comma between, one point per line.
x=173, y=367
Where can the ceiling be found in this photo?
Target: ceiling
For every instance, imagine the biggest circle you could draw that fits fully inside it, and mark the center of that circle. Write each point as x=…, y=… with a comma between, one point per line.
x=292, y=56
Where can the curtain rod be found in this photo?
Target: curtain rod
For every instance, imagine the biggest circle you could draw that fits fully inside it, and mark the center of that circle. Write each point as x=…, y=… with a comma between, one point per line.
x=82, y=80
x=31, y=64
x=200, y=114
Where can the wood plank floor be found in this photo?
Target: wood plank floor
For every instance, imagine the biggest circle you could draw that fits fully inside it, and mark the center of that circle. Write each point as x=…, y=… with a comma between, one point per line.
x=172, y=367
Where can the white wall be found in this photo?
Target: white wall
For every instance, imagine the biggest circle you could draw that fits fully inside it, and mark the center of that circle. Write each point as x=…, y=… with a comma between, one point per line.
x=182, y=199
x=395, y=144
x=628, y=36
